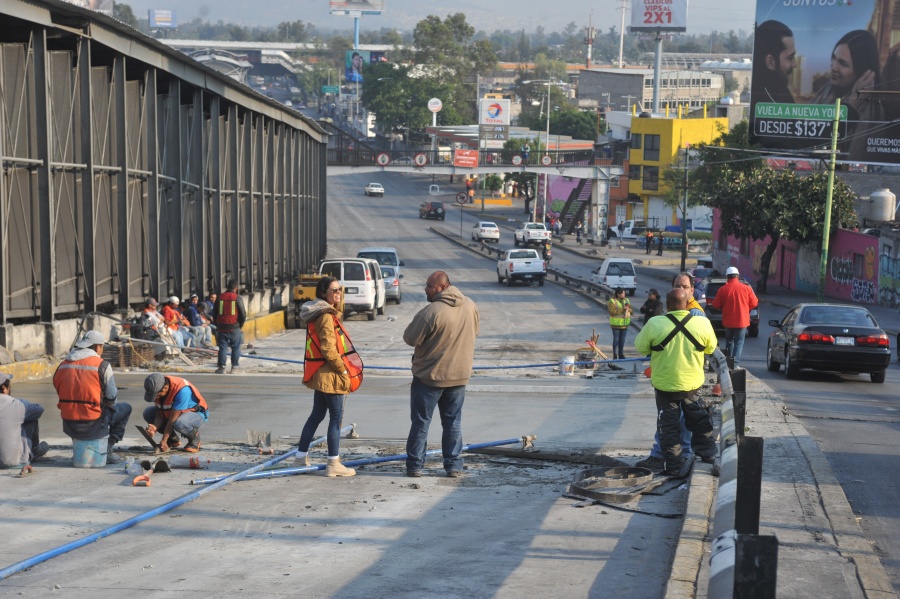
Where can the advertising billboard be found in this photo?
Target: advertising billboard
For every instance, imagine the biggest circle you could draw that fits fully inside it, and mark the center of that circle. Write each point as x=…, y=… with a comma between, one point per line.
x=351, y=7
x=355, y=61
x=493, y=112
x=162, y=19
x=658, y=15
x=808, y=54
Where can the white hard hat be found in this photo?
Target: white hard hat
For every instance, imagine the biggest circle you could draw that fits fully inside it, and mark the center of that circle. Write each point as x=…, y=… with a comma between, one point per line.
x=731, y=270
x=174, y=300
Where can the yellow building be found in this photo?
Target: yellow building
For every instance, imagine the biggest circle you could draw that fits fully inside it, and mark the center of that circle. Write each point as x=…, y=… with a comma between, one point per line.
x=655, y=144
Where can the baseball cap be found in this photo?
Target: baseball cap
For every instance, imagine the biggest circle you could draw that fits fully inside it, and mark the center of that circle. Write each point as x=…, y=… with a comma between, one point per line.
x=5, y=377
x=731, y=270
x=652, y=291
x=174, y=300
x=193, y=295
x=153, y=384
x=90, y=339
x=151, y=302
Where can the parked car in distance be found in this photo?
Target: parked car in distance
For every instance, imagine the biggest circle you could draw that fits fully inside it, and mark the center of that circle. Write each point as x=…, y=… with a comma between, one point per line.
x=485, y=231
x=374, y=189
x=829, y=337
x=709, y=287
x=391, y=284
x=383, y=255
x=632, y=230
x=432, y=210
x=362, y=283
x=615, y=273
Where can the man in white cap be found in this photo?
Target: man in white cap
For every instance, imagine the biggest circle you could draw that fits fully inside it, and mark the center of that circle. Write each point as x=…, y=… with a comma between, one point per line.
x=87, y=395
x=19, y=434
x=735, y=300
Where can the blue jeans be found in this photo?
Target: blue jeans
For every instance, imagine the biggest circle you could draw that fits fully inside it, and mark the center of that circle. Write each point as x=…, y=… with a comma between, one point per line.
x=334, y=406
x=618, y=343
x=449, y=401
x=118, y=419
x=30, y=428
x=656, y=451
x=187, y=425
x=232, y=340
x=734, y=343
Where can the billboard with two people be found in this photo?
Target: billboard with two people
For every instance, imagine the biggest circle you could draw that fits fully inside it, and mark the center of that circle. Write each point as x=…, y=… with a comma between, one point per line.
x=809, y=53
x=355, y=61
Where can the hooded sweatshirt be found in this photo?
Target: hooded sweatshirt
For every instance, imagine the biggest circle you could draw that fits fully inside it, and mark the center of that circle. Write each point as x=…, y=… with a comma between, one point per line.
x=93, y=429
x=332, y=377
x=443, y=334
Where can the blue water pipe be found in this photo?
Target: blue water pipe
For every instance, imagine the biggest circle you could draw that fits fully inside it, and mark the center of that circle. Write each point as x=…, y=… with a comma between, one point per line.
x=526, y=441
x=42, y=557
x=254, y=357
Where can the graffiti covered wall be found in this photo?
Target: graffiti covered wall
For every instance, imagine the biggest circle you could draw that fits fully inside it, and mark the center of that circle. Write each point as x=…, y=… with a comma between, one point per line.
x=852, y=272
x=889, y=270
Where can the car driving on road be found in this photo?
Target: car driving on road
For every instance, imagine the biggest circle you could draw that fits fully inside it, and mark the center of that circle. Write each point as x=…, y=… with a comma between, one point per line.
x=830, y=337
x=432, y=210
x=374, y=189
x=485, y=231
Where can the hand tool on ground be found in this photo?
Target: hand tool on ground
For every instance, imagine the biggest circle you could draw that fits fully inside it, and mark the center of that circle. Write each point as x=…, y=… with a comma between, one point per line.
x=149, y=437
x=27, y=470
x=149, y=467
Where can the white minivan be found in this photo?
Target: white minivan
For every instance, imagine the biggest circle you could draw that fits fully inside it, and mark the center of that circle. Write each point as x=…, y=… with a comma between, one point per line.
x=615, y=273
x=362, y=281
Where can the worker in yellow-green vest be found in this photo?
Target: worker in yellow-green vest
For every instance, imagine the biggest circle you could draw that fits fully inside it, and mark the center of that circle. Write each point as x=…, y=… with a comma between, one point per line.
x=619, y=318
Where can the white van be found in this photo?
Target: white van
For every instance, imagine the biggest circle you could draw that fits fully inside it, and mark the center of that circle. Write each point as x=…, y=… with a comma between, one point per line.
x=362, y=281
x=615, y=273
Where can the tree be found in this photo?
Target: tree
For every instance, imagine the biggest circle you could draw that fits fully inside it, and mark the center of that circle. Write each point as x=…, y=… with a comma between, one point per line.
x=122, y=12
x=758, y=202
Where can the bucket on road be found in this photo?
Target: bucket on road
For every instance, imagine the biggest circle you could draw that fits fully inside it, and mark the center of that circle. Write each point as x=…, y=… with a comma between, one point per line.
x=89, y=454
x=567, y=366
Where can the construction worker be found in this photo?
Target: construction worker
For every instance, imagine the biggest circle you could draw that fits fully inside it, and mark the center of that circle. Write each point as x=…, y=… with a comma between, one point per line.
x=19, y=431
x=229, y=316
x=178, y=408
x=87, y=395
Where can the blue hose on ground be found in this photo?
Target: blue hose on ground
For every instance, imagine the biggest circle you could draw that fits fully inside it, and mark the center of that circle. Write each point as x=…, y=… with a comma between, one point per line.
x=363, y=462
x=286, y=361
x=42, y=557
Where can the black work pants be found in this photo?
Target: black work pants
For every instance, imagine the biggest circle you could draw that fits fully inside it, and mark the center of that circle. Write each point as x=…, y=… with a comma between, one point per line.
x=669, y=407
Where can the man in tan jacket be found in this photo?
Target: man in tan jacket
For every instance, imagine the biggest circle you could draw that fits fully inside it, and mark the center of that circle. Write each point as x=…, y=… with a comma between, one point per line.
x=443, y=335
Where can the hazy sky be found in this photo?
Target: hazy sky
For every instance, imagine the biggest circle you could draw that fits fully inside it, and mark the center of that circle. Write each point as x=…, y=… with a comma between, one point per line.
x=704, y=16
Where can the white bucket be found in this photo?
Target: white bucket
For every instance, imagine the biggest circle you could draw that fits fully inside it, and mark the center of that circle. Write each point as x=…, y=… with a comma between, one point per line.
x=89, y=454
x=567, y=366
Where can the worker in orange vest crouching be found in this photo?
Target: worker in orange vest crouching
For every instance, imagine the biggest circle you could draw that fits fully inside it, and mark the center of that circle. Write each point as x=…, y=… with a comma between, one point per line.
x=178, y=409
x=87, y=395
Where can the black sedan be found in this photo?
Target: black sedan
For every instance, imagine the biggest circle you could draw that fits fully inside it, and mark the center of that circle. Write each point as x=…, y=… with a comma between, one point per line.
x=831, y=337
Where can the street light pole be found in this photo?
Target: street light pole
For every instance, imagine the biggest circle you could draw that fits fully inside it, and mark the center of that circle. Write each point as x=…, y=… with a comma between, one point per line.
x=826, y=231
x=547, y=150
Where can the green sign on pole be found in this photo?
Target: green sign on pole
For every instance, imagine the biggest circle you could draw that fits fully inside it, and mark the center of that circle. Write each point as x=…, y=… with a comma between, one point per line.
x=331, y=89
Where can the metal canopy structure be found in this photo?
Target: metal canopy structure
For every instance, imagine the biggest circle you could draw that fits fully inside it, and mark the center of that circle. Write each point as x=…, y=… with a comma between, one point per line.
x=130, y=170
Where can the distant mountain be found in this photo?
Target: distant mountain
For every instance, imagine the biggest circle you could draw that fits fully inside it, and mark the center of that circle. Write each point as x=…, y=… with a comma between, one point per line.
x=512, y=15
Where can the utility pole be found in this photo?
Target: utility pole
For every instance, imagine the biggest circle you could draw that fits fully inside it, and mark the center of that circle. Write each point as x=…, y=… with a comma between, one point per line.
x=684, y=207
x=589, y=40
x=826, y=232
x=622, y=33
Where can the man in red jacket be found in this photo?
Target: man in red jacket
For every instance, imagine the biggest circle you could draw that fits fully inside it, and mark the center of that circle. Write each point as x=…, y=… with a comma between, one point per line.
x=735, y=299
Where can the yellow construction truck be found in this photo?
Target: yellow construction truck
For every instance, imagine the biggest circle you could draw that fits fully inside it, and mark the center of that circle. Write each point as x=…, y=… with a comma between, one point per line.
x=302, y=291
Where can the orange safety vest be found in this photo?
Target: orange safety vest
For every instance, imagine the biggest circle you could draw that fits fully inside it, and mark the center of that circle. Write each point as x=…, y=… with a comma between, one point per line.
x=227, y=308
x=176, y=384
x=313, y=359
x=78, y=387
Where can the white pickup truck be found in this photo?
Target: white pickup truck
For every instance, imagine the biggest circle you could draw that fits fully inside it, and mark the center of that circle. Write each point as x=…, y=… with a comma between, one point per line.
x=521, y=265
x=531, y=233
x=632, y=230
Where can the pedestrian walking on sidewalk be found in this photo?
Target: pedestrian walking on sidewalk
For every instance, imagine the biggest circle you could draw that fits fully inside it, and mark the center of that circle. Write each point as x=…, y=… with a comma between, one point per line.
x=659, y=245
x=229, y=316
x=649, y=241
x=676, y=344
x=443, y=335
x=332, y=369
x=578, y=229
x=619, y=318
x=735, y=299
x=178, y=409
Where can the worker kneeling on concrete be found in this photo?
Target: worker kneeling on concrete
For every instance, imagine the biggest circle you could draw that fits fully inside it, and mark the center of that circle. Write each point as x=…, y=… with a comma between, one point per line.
x=178, y=409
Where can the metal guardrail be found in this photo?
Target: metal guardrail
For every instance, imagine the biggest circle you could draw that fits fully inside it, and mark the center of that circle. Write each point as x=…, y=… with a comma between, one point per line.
x=742, y=563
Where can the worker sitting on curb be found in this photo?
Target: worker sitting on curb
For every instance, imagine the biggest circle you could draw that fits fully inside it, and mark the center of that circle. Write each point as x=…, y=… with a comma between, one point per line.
x=88, y=395
x=178, y=408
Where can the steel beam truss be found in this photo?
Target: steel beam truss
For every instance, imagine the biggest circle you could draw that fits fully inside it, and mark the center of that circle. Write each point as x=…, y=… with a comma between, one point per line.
x=130, y=171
